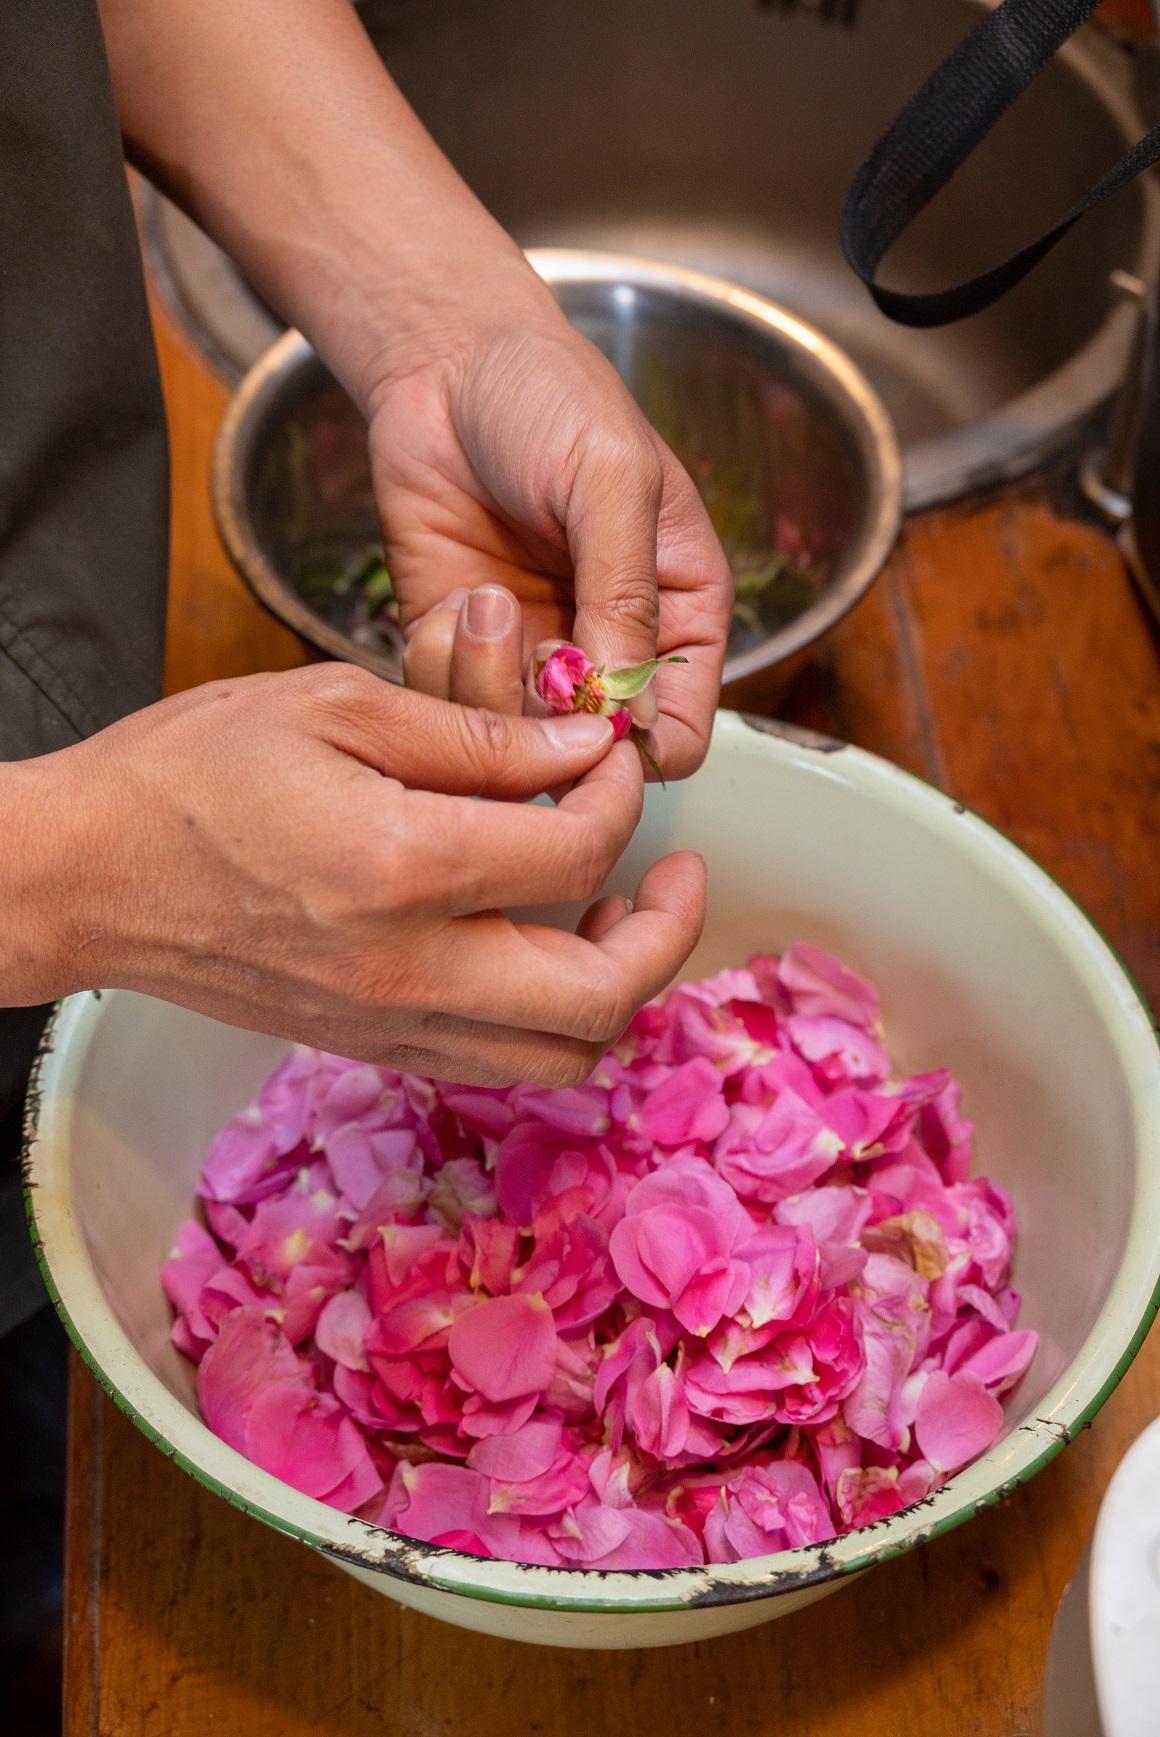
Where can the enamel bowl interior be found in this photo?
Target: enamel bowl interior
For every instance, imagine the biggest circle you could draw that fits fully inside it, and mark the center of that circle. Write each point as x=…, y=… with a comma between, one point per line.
x=984, y=966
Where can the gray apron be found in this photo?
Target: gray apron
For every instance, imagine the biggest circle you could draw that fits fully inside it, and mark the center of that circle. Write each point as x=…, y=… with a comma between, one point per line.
x=84, y=493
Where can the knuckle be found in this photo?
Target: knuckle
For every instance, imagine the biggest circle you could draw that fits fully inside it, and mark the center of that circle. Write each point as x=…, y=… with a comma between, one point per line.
x=630, y=454
x=367, y=984
x=487, y=740
x=600, y=1015
x=631, y=600
x=344, y=688
x=592, y=857
x=565, y=1066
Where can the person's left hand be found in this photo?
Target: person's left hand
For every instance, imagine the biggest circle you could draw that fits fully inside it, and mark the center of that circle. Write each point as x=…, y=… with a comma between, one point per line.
x=510, y=463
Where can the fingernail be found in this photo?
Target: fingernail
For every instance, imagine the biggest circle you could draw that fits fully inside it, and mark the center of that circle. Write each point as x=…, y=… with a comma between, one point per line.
x=454, y=599
x=489, y=612
x=577, y=730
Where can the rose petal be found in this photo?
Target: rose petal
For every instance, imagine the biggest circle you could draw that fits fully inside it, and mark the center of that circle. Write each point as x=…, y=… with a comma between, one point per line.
x=957, y=1419
x=505, y=1347
x=516, y=1458
x=341, y=1330
x=820, y=984
x=195, y=1259
x=248, y=1354
x=688, y=1105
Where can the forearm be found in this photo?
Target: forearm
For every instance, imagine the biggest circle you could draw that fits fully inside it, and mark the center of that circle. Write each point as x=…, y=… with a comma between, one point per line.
x=275, y=123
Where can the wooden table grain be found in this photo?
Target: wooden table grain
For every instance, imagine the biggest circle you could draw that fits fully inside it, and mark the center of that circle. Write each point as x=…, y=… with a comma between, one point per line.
x=1002, y=656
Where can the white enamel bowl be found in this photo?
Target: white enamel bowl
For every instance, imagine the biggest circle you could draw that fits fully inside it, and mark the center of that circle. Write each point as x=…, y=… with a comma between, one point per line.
x=984, y=966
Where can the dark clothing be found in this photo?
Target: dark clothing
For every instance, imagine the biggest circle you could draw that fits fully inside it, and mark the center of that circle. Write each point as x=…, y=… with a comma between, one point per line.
x=84, y=495
x=33, y=1413
x=84, y=503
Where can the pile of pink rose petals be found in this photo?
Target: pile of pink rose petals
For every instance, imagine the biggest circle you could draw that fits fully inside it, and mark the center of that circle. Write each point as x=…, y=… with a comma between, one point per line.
x=736, y=1293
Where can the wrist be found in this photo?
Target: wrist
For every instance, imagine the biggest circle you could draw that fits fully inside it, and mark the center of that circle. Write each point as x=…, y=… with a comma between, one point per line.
x=443, y=307
x=46, y=948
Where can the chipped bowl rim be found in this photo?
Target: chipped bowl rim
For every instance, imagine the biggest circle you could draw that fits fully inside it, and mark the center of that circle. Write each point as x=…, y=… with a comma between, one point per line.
x=1100, y=1363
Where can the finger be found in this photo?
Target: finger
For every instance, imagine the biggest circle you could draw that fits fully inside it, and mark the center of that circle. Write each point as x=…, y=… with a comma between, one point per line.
x=440, y=1045
x=431, y=745
x=536, y=978
x=427, y=655
x=671, y=899
x=487, y=652
x=472, y=1054
x=467, y=1051
x=696, y=591
x=599, y=918
x=611, y=522
x=465, y=857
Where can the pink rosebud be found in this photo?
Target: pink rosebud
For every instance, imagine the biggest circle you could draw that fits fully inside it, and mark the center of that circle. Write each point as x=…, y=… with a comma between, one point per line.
x=568, y=681
x=564, y=671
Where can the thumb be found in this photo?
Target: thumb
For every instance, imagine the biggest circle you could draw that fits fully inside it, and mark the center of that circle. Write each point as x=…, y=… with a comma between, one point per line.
x=613, y=513
x=430, y=744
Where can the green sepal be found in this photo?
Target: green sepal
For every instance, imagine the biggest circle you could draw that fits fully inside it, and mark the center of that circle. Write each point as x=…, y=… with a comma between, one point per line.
x=638, y=738
x=625, y=684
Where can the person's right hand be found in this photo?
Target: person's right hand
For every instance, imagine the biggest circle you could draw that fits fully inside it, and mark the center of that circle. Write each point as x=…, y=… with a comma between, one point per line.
x=301, y=854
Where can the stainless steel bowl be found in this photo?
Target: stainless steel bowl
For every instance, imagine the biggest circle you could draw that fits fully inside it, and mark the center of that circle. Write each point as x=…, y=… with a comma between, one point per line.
x=791, y=448
x=721, y=135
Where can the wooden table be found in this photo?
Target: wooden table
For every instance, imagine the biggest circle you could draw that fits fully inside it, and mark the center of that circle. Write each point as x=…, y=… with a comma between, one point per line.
x=1002, y=656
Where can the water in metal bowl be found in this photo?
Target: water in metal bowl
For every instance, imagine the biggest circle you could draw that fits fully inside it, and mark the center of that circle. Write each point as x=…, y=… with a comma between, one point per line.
x=790, y=448
x=721, y=135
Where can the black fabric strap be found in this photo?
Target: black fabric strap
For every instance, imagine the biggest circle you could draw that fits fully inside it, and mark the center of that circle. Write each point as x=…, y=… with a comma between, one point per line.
x=937, y=131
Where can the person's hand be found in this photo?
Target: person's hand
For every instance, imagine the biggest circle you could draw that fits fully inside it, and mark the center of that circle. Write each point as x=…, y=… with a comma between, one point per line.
x=303, y=854
x=505, y=449
x=511, y=464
